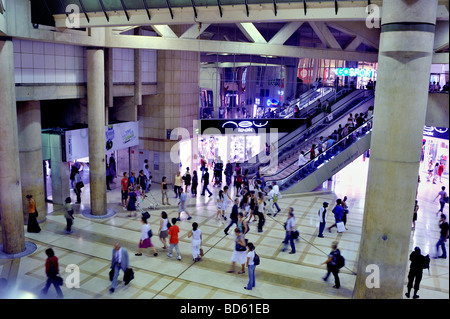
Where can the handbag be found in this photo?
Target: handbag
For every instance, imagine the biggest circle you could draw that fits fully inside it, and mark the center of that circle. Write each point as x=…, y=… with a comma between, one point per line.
x=295, y=234
x=340, y=227
x=59, y=281
x=201, y=252
x=111, y=274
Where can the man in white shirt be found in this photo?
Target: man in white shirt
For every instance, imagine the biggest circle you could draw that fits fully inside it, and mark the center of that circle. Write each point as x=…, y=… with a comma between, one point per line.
x=301, y=159
x=290, y=227
x=276, y=195
x=322, y=218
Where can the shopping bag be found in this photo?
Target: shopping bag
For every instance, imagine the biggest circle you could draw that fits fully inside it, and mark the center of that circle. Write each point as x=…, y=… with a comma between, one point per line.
x=340, y=227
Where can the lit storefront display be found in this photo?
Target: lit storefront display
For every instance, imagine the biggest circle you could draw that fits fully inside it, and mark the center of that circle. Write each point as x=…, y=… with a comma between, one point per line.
x=435, y=147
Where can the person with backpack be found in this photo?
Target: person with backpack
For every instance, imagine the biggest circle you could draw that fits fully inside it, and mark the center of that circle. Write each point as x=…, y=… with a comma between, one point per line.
x=334, y=263
x=145, y=241
x=251, y=265
x=418, y=264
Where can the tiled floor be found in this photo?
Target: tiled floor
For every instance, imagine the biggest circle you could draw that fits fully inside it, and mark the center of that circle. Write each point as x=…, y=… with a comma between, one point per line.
x=280, y=274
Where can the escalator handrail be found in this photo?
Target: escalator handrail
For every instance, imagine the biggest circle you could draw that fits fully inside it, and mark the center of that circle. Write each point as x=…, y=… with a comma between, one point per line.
x=262, y=158
x=294, y=173
x=318, y=123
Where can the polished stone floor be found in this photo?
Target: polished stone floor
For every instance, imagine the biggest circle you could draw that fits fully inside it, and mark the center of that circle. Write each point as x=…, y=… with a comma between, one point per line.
x=280, y=275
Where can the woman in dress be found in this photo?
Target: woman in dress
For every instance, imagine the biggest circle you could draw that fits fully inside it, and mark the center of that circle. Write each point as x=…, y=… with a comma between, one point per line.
x=145, y=241
x=132, y=198
x=33, y=225
x=194, y=183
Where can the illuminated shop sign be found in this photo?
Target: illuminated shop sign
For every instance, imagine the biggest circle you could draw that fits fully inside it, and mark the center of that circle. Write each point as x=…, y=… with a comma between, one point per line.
x=367, y=73
x=245, y=126
x=438, y=132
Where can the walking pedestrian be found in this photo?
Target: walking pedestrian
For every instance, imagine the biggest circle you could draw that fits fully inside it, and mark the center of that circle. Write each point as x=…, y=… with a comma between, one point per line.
x=242, y=224
x=250, y=266
x=119, y=261
x=239, y=254
x=416, y=209
x=173, y=233
x=164, y=229
x=418, y=263
x=177, y=184
x=253, y=207
x=226, y=198
x=68, y=215
x=289, y=227
x=145, y=241
x=206, y=183
x=182, y=205
x=196, y=242
x=78, y=186
x=33, y=225
x=194, y=183
x=219, y=203
x=442, y=199
x=443, y=225
x=234, y=216
x=187, y=179
x=332, y=267
x=322, y=218
x=131, y=202
x=124, y=190
x=52, y=272
x=260, y=212
x=344, y=211
x=338, y=212
x=276, y=196
x=164, y=190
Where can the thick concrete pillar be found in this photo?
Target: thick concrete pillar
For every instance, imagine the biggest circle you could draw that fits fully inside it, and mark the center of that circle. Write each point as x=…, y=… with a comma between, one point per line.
x=10, y=187
x=406, y=44
x=30, y=152
x=96, y=127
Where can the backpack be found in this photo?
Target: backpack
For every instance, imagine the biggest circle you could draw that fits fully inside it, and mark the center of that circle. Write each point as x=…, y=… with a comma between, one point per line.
x=256, y=259
x=340, y=261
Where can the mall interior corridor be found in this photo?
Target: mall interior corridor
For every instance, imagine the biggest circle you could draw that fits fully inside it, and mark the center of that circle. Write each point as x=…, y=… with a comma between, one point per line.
x=280, y=275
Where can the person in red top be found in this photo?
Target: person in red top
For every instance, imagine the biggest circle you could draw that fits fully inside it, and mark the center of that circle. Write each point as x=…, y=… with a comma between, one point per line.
x=52, y=271
x=173, y=233
x=124, y=189
x=440, y=171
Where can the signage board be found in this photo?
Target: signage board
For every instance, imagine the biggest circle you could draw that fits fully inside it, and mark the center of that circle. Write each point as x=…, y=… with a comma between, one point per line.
x=117, y=136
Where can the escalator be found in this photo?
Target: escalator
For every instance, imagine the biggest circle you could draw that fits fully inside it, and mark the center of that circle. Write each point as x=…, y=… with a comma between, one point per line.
x=290, y=145
x=309, y=98
x=316, y=171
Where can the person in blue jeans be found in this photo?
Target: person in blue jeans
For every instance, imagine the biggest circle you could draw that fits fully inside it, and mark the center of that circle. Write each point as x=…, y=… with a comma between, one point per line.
x=290, y=227
x=250, y=266
x=443, y=225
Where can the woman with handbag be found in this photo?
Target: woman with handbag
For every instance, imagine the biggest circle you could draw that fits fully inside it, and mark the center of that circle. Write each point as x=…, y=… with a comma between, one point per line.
x=145, y=241
x=52, y=272
x=239, y=253
x=33, y=225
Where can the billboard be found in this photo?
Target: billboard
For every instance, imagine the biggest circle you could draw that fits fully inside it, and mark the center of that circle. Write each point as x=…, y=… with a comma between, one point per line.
x=117, y=136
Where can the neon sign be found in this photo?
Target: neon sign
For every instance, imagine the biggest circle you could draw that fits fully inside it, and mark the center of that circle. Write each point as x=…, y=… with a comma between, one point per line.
x=367, y=73
x=245, y=126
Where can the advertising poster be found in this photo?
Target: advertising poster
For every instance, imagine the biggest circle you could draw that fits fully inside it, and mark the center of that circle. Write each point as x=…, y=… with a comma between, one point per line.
x=117, y=136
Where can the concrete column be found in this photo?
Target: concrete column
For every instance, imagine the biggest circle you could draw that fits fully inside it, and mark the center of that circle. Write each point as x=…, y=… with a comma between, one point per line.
x=10, y=187
x=96, y=127
x=30, y=152
x=406, y=46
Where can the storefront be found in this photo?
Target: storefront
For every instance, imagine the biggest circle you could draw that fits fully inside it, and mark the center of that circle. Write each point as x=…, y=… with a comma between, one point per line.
x=64, y=149
x=435, y=148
